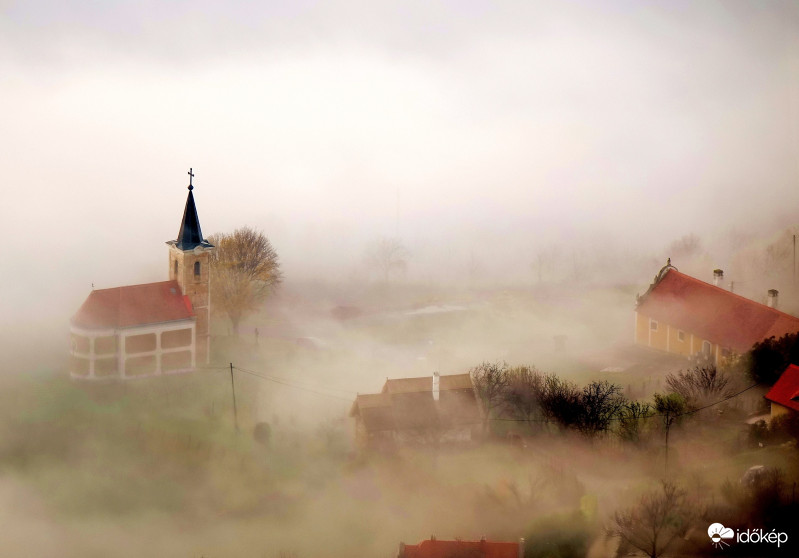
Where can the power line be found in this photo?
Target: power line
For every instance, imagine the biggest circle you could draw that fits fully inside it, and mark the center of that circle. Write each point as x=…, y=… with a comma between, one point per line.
x=301, y=383
x=289, y=384
x=316, y=387
x=717, y=402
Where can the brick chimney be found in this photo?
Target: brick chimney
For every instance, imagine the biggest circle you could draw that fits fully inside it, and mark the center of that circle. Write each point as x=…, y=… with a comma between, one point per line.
x=718, y=277
x=773, y=296
x=436, y=385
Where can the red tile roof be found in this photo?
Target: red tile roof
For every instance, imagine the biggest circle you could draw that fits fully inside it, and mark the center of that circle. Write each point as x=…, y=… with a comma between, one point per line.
x=786, y=391
x=713, y=313
x=452, y=549
x=133, y=305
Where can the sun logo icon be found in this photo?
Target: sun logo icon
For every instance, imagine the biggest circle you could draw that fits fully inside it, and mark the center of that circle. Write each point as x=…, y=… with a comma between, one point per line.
x=717, y=533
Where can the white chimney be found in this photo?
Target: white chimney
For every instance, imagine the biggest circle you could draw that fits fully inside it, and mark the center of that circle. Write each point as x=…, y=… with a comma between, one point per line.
x=436, y=385
x=521, y=548
x=718, y=276
x=773, y=295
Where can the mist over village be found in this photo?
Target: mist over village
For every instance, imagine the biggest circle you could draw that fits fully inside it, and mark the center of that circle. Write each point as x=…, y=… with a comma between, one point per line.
x=399, y=280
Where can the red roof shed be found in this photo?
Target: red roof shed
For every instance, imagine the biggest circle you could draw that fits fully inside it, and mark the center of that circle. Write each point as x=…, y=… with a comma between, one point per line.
x=786, y=391
x=461, y=549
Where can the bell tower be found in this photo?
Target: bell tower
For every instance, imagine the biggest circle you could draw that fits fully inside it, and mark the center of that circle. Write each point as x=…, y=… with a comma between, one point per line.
x=189, y=265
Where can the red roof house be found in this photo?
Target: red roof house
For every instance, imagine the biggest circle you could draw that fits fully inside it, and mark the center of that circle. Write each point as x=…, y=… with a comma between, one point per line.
x=681, y=314
x=784, y=395
x=434, y=548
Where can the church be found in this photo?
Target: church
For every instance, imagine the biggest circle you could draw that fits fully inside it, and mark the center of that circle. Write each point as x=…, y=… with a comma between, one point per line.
x=154, y=328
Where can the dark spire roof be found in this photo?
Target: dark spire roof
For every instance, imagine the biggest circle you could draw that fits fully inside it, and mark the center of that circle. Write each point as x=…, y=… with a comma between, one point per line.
x=190, y=235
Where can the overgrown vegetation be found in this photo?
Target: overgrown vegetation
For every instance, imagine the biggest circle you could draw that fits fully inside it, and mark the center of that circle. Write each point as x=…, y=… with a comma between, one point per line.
x=769, y=358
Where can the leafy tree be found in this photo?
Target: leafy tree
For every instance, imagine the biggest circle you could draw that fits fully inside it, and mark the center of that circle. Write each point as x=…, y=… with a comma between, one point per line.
x=561, y=536
x=671, y=408
x=653, y=524
x=244, y=270
x=699, y=386
x=490, y=381
x=387, y=256
x=599, y=403
x=769, y=358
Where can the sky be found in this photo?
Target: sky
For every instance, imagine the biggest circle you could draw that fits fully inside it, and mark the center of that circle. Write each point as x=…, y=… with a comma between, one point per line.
x=468, y=129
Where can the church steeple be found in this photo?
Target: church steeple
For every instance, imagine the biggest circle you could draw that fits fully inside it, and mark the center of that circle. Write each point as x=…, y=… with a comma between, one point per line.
x=190, y=235
x=189, y=265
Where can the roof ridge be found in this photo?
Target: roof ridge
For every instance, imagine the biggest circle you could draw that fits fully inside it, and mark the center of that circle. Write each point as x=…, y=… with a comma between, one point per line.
x=426, y=377
x=134, y=285
x=741, y=297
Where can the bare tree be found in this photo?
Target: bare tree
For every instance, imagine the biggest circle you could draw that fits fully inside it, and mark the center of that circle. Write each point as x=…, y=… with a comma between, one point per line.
x=778, y=256
x=524, y=391
x=686, y=247
x=600, y=403
x=244, y=270
x=700, y=385
x=654, y=523
x=490, y=382
x=387, y=256
x=560, y=401
x=632, y=418
x=546, y=260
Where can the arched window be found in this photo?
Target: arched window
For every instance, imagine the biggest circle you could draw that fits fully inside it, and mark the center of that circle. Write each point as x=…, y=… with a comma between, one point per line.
x=176, y=269
x=196, y=270
x=706, y=347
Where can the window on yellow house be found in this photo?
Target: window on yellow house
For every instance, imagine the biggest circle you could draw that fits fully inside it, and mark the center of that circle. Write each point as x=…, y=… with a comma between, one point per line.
x=653, y=325
x=681, y=335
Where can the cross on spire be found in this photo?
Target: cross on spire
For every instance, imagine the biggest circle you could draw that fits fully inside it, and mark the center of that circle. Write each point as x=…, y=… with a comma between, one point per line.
x=191, y=176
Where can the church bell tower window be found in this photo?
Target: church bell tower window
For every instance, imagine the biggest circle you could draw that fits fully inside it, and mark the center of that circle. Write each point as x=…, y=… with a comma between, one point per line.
x=197, y=270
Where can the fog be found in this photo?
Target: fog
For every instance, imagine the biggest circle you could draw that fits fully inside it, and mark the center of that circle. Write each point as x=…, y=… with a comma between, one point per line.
x=539, y=162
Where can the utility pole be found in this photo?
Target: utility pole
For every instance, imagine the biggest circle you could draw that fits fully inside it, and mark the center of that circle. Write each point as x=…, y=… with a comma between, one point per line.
x=668, y=425
x=233, y=389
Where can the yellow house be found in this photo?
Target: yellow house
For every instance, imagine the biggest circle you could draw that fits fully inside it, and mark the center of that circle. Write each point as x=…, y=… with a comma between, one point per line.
x=784, y=394
x=683, y=315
